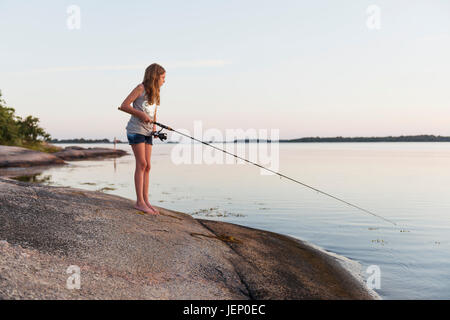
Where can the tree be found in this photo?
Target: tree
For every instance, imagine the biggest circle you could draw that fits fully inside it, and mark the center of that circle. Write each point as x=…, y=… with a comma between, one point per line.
x=30, y=130
x=9, y=131
x=17, y=131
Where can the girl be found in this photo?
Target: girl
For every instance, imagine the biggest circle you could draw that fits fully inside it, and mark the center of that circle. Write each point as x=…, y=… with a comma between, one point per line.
x=140, y=129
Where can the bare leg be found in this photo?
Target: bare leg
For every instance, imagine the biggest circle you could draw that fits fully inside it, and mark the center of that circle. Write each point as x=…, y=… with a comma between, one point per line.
x=139, y=154
x=148, y=154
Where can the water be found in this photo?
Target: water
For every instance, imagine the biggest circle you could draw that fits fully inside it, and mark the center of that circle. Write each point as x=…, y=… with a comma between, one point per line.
x=404, y=182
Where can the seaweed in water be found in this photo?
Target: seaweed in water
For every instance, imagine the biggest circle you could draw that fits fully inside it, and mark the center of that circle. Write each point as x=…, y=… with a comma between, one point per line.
x=89, y=183
x=381, y=241
x=106, y=189
x=214, y=212
x=36, y=178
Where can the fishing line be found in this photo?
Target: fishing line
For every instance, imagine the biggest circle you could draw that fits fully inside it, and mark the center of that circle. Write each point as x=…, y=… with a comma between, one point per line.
x=281, y=175
x=163, y=136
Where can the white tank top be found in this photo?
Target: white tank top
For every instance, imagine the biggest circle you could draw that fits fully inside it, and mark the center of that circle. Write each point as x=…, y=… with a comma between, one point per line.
x=135, y=125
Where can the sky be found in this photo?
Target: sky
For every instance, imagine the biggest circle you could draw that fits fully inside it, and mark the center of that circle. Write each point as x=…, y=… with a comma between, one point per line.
x=308, y=68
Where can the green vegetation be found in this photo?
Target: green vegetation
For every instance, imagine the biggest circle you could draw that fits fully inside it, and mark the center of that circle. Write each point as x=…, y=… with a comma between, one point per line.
x=15, y=131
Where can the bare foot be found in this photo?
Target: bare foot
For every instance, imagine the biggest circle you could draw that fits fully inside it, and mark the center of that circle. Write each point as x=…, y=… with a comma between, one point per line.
x=144, y=208
x=152, y=207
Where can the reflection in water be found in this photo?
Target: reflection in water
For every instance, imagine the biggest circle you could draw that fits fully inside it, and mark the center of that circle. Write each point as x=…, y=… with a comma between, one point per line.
x=35, y=178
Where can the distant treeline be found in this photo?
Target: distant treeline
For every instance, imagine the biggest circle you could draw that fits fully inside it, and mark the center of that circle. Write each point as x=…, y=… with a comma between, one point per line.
x=82, y=140
x=418, y=138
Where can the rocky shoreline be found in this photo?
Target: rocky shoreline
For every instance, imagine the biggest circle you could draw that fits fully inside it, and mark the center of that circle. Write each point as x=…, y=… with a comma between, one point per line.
x=124, y=254
x=13, y=157
x=78, y=153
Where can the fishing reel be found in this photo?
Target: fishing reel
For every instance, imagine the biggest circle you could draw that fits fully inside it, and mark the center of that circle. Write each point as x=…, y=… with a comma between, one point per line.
x=161, y=135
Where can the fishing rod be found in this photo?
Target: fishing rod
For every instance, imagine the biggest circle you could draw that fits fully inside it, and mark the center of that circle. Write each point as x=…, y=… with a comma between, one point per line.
x=162, y=136
x=280, y=174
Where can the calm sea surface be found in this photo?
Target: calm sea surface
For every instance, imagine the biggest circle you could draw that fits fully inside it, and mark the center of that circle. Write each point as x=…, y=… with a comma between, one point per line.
x=408, y=183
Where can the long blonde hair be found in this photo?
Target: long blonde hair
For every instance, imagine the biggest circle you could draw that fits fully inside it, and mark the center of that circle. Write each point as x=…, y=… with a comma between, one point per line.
x=151, y=83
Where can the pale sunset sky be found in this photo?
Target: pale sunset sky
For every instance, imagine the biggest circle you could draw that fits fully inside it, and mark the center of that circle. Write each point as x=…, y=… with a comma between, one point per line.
x=307, y=68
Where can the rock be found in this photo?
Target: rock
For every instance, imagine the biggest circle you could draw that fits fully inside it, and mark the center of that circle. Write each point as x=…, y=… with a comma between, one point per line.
x=78, y=153
x=124, y=254
x=275, y=266
x=75, y=148
x=22, y=157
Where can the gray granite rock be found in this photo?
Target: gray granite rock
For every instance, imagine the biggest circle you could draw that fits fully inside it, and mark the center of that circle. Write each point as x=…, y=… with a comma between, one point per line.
x=22, y=157
x=78, y=153
x=124, y=254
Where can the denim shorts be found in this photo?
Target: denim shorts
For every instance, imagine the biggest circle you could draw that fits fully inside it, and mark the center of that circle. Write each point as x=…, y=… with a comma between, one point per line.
x=135, y=138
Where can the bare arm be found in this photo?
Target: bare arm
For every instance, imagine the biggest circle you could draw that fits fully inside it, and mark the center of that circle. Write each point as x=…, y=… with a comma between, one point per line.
x=154, y=118
x=126, y=104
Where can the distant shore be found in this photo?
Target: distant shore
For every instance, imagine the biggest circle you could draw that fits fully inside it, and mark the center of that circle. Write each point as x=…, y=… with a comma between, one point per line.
x=416, y=138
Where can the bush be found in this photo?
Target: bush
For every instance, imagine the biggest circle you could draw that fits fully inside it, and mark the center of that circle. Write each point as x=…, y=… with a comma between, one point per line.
x=15, y=131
